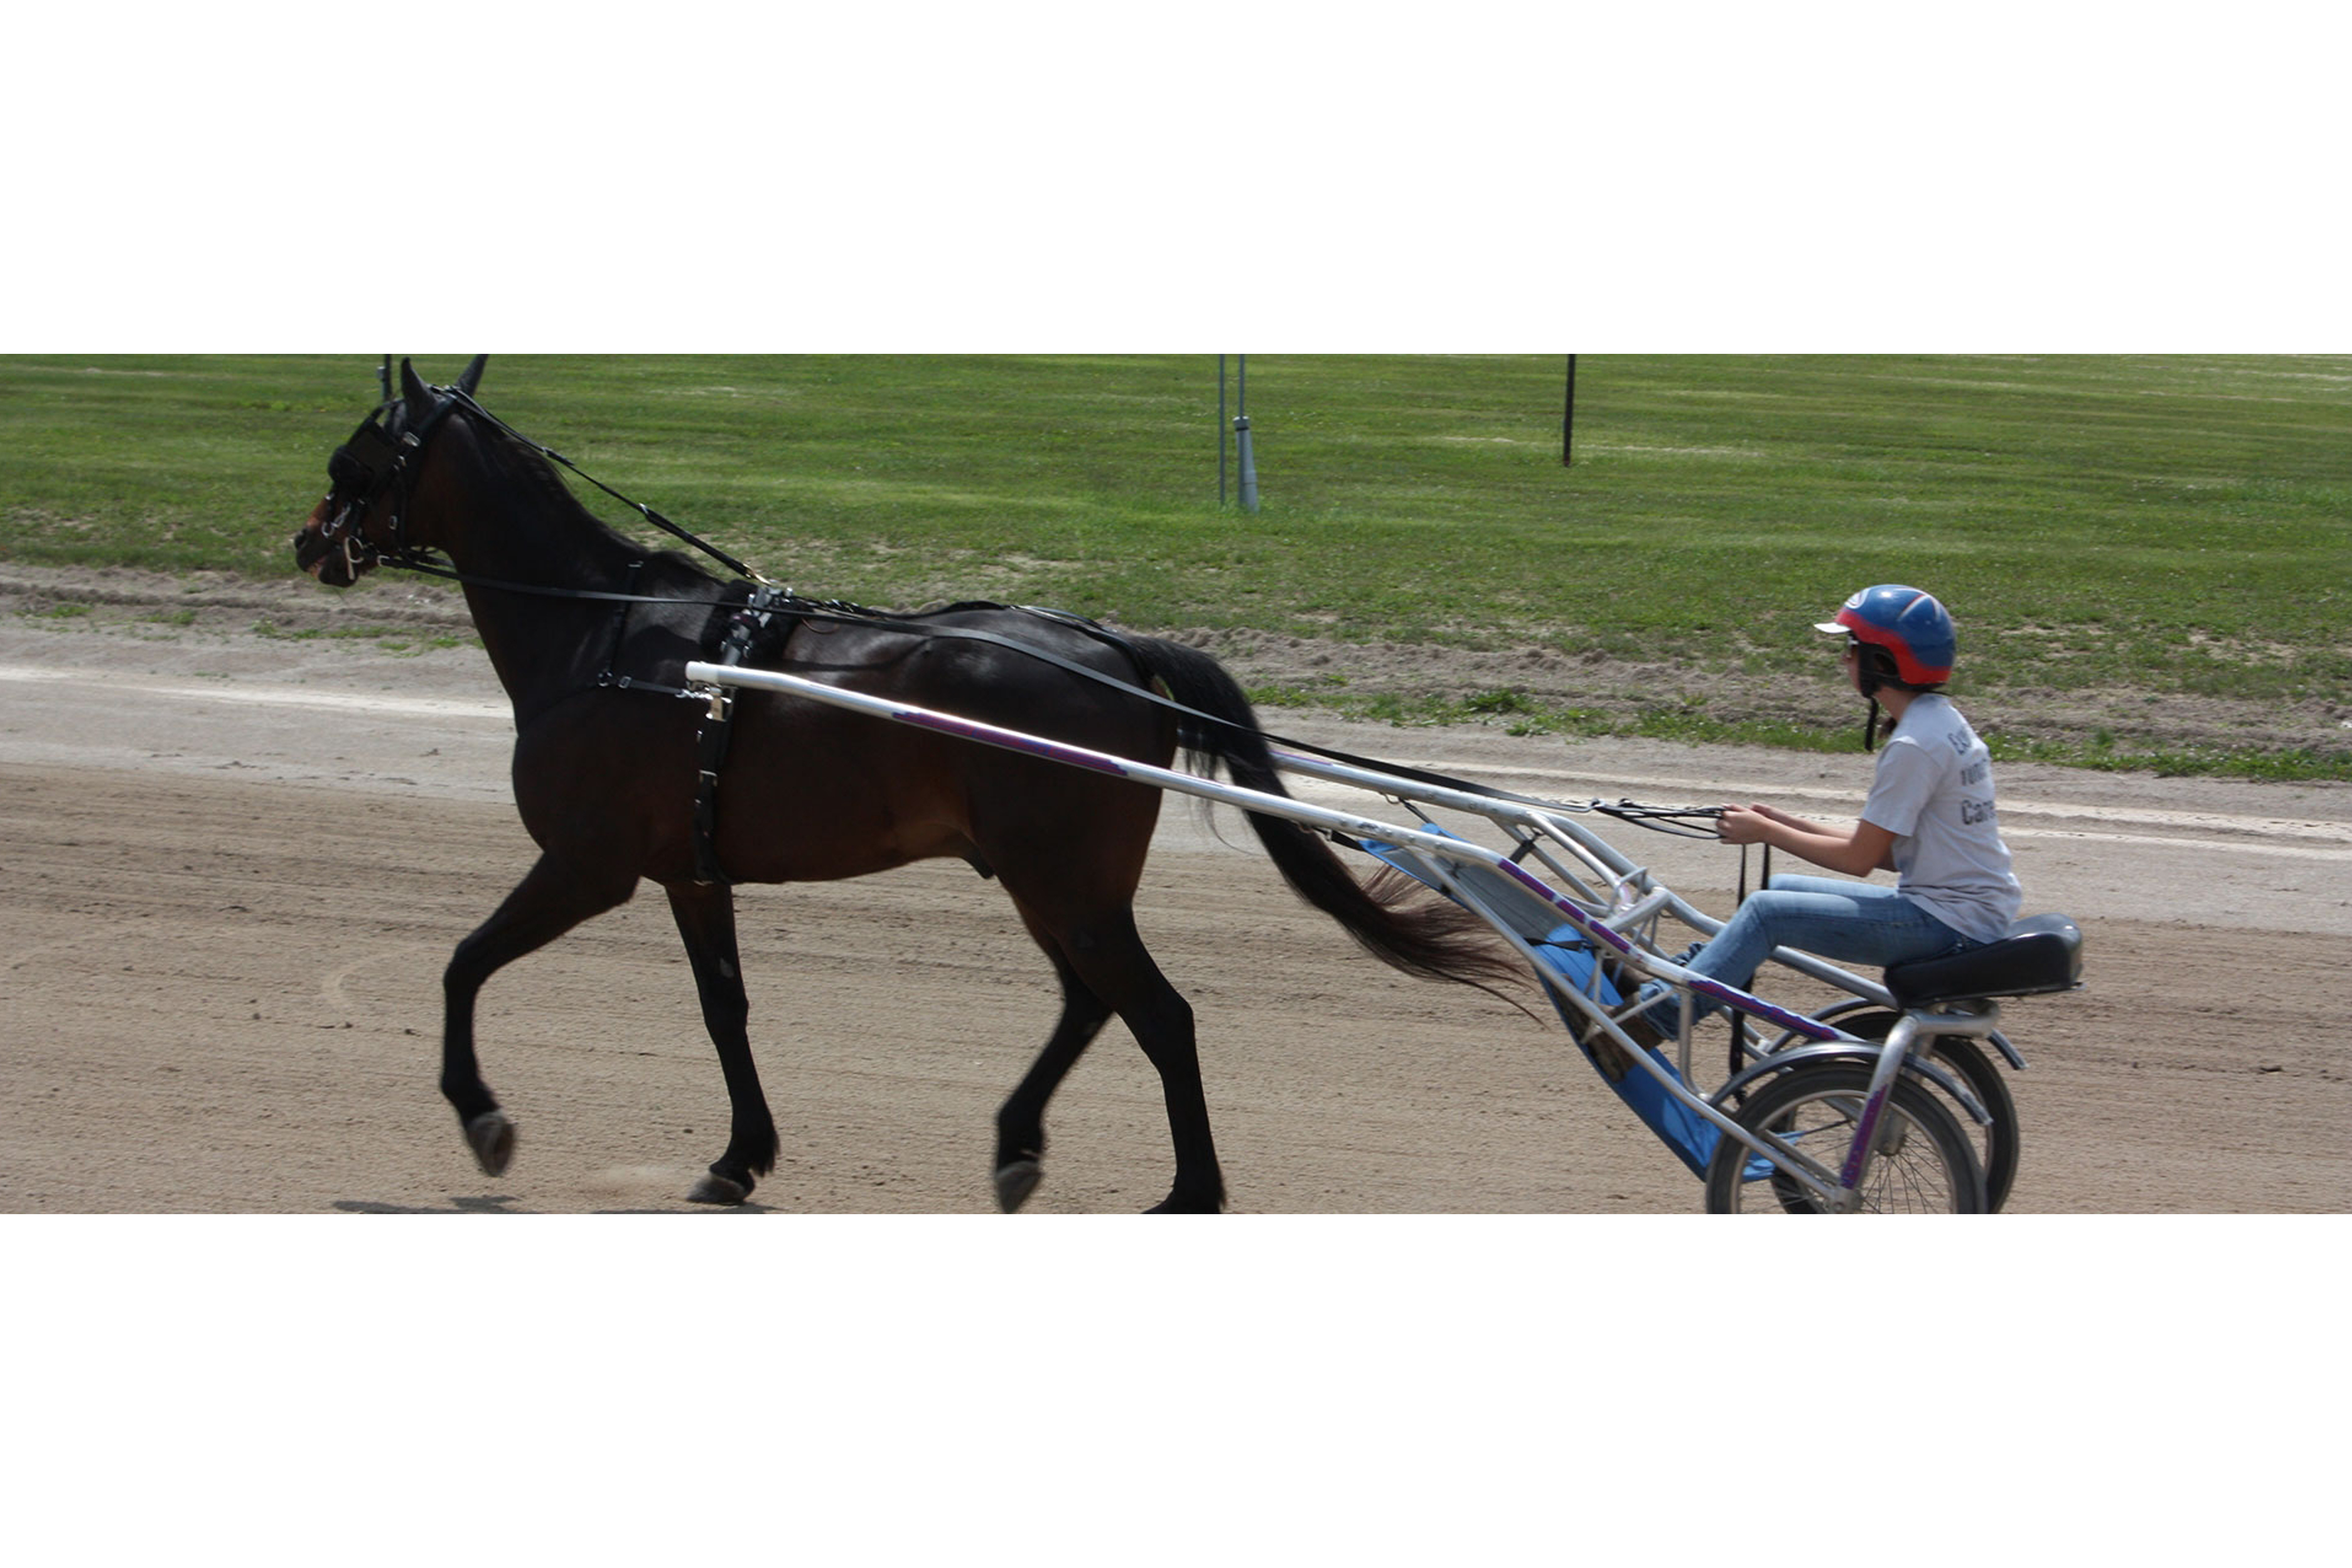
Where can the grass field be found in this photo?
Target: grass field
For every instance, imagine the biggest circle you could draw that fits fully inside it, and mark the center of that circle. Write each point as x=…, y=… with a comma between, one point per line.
x=2164, y=525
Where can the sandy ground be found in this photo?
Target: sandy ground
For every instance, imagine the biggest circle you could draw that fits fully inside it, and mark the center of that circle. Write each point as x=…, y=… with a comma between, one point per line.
x=232, y=866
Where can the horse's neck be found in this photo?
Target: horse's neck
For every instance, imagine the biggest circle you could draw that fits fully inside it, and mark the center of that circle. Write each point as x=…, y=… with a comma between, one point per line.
x=542, y=646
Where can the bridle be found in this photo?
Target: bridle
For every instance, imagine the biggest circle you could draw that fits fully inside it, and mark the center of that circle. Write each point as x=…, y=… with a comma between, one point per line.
x=380, y=457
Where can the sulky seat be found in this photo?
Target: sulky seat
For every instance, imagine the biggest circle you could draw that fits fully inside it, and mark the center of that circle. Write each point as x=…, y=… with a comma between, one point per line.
x=2039, y=955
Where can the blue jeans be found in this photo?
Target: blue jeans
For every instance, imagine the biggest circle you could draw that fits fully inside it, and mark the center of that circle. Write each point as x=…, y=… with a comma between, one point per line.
x=1845, y=922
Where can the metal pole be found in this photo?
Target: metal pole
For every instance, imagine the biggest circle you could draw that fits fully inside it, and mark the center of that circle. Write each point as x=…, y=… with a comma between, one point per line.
x=1568, y=419
x=1220, y=430
x=1242, y=435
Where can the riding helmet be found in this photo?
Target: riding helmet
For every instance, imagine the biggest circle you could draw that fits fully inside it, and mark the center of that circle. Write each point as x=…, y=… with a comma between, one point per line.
x=1908, y=624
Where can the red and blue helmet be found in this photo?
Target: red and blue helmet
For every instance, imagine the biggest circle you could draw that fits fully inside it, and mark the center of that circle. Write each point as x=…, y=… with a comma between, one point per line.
x=1909, y=624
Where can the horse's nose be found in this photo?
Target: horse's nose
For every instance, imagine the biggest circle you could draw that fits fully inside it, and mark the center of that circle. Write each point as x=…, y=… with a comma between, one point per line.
x=316, y=553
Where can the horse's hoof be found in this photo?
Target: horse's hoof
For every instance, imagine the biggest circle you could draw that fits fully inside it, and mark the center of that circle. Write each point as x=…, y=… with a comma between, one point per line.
x=715, y=1188
x=1183, y=1203
x=492, y=1138
x=1015, y=1181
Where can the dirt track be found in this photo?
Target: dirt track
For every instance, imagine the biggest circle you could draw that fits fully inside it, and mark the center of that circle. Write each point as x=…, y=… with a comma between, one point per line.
x=231, y=869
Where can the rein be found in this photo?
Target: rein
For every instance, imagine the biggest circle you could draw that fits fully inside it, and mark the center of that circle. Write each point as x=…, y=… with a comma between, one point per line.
x=768, y=599
x=648, y=514
x=435, y=569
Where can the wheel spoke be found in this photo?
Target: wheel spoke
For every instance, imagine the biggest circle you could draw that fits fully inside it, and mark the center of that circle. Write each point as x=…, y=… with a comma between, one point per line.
x=1924, y=1163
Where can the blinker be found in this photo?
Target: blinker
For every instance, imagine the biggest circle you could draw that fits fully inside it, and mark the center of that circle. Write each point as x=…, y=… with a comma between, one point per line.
x=364, y=461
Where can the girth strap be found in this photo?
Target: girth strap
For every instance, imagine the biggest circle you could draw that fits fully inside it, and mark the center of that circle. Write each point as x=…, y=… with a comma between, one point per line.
x=743, y=629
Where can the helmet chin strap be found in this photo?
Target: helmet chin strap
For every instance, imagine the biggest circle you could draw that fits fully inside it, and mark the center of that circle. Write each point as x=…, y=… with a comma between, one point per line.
x=1870, y=680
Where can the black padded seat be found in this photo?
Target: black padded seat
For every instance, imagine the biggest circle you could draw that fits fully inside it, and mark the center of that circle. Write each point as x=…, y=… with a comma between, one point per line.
x=2039, y=955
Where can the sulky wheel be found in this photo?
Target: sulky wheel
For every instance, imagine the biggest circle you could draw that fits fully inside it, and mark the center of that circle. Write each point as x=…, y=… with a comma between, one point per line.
x=1924, y=1163
x=1996, y=1144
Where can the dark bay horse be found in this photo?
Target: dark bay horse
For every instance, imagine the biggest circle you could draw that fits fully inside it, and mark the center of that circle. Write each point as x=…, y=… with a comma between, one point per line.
x=590, y=634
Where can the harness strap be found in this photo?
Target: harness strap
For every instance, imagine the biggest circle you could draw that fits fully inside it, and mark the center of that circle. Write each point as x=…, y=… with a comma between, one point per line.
x=710, y=740
x=605, y=677
x=743, y=629
x=434, y=569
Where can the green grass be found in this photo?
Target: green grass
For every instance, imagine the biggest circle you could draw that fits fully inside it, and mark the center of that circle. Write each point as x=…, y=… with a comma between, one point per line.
x=2168, y=525
x=1669, y=722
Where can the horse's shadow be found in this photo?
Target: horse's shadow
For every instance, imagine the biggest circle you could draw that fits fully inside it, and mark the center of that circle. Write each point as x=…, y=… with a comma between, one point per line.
x=488, y=1204
x=496, y=1202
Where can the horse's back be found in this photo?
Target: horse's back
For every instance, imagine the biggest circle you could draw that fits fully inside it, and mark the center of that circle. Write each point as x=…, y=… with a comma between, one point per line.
x=840, y=794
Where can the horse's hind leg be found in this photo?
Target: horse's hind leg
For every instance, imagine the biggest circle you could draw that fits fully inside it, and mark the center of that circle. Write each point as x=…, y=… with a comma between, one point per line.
x=1021, y=1122
x=705, y=920
x=1107, y=959
x=553, y=898
x=1118, y=966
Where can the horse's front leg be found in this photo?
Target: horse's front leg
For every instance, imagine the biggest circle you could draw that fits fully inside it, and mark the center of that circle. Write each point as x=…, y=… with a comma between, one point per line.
x=553, y=898
x=705, y=920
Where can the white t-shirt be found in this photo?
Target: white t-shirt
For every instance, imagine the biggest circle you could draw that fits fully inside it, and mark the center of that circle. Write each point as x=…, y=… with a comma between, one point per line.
x=1934, y=791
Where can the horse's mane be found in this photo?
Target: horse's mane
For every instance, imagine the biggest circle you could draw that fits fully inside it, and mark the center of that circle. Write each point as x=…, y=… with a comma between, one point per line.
x=519, y=461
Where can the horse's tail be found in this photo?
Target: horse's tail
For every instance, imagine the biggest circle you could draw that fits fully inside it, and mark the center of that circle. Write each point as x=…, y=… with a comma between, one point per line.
x=1422, y=936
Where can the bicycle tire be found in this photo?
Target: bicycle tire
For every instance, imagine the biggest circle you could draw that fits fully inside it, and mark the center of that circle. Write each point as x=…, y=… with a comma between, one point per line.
x=1934, y=1170
x=1983, y=1078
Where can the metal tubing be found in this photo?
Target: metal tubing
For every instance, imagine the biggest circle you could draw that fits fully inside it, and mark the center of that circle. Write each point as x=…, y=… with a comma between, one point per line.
x=701, y=673
x=1874, y=1107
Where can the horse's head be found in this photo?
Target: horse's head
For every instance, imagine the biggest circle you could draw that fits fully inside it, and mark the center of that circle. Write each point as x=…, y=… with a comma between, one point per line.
x=361, y=519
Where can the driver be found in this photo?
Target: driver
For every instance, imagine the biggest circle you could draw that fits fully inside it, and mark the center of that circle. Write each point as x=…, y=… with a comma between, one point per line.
x=1929, y=819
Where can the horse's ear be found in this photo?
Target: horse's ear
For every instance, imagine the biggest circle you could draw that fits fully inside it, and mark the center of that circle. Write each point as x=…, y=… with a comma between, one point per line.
x=472, y=377
x=412, y=389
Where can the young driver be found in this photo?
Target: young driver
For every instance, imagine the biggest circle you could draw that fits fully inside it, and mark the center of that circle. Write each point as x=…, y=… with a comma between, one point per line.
x=1929, y=819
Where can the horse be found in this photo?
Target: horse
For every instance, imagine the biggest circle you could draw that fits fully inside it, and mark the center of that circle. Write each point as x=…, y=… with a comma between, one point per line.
x=621, y=775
